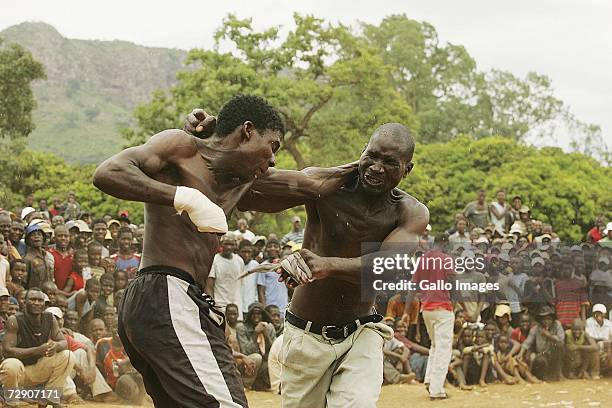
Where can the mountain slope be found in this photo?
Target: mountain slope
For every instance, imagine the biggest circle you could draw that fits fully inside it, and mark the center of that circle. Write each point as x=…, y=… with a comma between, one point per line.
x=91, y=89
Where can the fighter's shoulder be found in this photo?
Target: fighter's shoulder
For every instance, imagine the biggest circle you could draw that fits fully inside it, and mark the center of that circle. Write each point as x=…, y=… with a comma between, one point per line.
x=411, y=209
x=173, y=142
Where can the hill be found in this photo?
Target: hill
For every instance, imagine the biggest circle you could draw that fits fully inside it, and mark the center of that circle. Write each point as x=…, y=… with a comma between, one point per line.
x=91, y=89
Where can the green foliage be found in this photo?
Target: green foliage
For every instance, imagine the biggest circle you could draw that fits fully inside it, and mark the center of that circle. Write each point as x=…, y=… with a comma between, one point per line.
x=565, y=190
x=331, y=87
x=45, y=175
x=17, y=71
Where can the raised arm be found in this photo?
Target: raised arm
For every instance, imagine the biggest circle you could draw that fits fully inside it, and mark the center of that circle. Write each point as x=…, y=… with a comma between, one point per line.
x=128, y=174
x=413, y=221
x=283, y=189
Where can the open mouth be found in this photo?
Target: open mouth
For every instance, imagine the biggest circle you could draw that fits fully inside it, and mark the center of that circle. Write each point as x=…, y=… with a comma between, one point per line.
x=374, y=181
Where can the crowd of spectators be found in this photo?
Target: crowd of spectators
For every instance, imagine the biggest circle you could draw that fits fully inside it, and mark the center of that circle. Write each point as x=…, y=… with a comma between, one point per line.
x=63, y=271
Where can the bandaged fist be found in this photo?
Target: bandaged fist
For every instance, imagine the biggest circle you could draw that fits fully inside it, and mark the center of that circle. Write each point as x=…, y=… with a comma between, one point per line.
x=200, y=124
x=206, y=215
x=318, y=265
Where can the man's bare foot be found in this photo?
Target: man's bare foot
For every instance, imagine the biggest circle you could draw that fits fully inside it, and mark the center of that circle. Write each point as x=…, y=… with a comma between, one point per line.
x=482, y=384
x=465, y=387
x=407, y=378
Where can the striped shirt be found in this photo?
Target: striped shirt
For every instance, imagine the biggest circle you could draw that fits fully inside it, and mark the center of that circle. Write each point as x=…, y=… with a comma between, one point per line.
x=296, y=237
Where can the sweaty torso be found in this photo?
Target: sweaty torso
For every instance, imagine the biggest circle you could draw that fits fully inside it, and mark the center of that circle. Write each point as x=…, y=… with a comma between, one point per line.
x=172, y=239
x=337, y=226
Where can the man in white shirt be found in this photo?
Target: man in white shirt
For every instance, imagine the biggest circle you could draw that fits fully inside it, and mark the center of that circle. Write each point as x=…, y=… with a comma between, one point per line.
x=223, y=283
x=249, y=282
x=600, y=329
x=243, y=231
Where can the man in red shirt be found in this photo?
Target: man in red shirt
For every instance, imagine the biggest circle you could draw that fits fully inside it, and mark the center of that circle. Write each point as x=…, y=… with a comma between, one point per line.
x=435, y=267
x=595, y=233
x=62, y=254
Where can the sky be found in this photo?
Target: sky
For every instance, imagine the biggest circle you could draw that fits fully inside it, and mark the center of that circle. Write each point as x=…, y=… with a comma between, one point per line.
x=570, y=41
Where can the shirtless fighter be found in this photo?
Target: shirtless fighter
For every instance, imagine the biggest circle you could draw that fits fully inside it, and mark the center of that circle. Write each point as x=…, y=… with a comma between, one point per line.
x=332, y=347
x=171, y=330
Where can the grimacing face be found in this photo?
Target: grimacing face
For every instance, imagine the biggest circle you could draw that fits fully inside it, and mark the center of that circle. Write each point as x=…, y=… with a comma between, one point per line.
x=382, y=165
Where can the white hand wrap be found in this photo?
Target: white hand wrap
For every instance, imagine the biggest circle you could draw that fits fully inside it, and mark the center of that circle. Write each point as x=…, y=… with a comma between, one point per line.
x=297, y=268
x=206, y=215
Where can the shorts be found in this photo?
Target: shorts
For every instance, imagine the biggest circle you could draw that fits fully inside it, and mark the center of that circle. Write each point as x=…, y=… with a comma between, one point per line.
x=177, y=342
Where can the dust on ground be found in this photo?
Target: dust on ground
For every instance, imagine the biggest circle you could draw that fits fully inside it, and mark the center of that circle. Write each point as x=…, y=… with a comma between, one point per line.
x=565, y=394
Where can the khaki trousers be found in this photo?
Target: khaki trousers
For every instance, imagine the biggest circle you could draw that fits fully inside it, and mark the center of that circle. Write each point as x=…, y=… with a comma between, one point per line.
x=99, y=385
x=321, y=373
x=51, y=371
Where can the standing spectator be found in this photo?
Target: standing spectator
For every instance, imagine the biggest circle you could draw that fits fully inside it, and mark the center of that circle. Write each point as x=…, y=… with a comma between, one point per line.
x=113, y=245
x=270, y=291
x=596, y=233
x=460, y=237
x=16, y=237
x=126, y=260
x=222, y=283
x=428, y=239
x=62, y=256
x=76, y=281
x=438, y=316
x=453, y=229
x=5, y=266
x=5, y=230
x=477, y=212
x=606, y=241
x=35, y=349
x=471, y=301
x=499, y=210
x=56, y=209
x=243, y=230
x=570, y=301
x=600, y=285
x=18, y=274
x=37, y=268
x=99, y=234
x=297, y=233
x=249, y=282
x=71, y=207
x=513, y=213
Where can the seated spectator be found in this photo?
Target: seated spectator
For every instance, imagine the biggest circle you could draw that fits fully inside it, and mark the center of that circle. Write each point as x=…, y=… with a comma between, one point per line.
x=35, y=350
x=520, y=333
x=460, y=237
x=276, y=319
x=582, y=356
x=84, y=366
x=126, y=259
x=49, y=288
x=107, y=289
x=4, y=306
x=18, y=273
x=231, y=319
x=418, y=354
x=600, y=329
x=477, y=366
x=396, y=364
x=121, y=280
x=514, y=367
x=13, y=307
x=543, y=348
x=255, y=337
x=600, y=286
x=94, y=258
x=97, y=330
x=61, y=301
x=117, y=369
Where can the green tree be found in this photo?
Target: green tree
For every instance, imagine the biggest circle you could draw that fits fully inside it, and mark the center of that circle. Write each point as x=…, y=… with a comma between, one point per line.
x=331, y=87
x=17, y=71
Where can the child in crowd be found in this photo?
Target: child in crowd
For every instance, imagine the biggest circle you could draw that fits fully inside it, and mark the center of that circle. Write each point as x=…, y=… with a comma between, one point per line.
x=13, y=307
x=76, y=280
x=126, y=259
x=94, y=255
x=514, y=368
x=121, y=280
x=582, y=353
x=18, y=273
x=396, y=364
x=477, y=366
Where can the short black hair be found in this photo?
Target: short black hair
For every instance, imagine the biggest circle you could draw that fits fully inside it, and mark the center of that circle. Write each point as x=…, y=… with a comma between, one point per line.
x=98, y=221
x=241, y=108
x=125, y=230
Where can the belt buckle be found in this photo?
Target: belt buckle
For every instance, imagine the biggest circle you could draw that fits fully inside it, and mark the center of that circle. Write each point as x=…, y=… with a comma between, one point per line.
x=324, y=332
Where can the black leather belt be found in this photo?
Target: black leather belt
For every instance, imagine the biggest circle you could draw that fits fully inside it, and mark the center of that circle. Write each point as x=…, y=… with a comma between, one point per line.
x=331, y=332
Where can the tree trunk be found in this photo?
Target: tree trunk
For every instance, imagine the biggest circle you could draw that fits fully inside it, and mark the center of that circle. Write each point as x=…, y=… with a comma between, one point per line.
x=291, y=147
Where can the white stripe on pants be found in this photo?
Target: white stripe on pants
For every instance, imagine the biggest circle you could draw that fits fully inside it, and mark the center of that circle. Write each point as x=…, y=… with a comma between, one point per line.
x=185, y=317
x=439, y=325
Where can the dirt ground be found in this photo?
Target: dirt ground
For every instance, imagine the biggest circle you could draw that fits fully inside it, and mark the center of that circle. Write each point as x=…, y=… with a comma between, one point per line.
x=566, y=394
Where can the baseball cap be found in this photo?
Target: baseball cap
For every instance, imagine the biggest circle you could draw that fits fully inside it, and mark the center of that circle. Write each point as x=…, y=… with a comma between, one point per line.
x=111, y=222
x=55, y=311
x=608, y=228
x=537, y=260
x=4, y=292
x=32, y=228
x=26, y=211
x=604, y=259
x=481, y=240
x=230, y=236
x=502, y=309
x=599, y=308
x=545, y=236
x=504, y=257
x=506, y=246
x=82, y=226
x=295, y=218
x=524, y=209
x=428, y=227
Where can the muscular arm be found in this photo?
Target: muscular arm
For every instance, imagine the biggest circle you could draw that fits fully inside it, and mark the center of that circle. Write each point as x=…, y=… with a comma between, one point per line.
x=9, y=345
x=283, y=189
x=413, y=221
x=128, y=174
